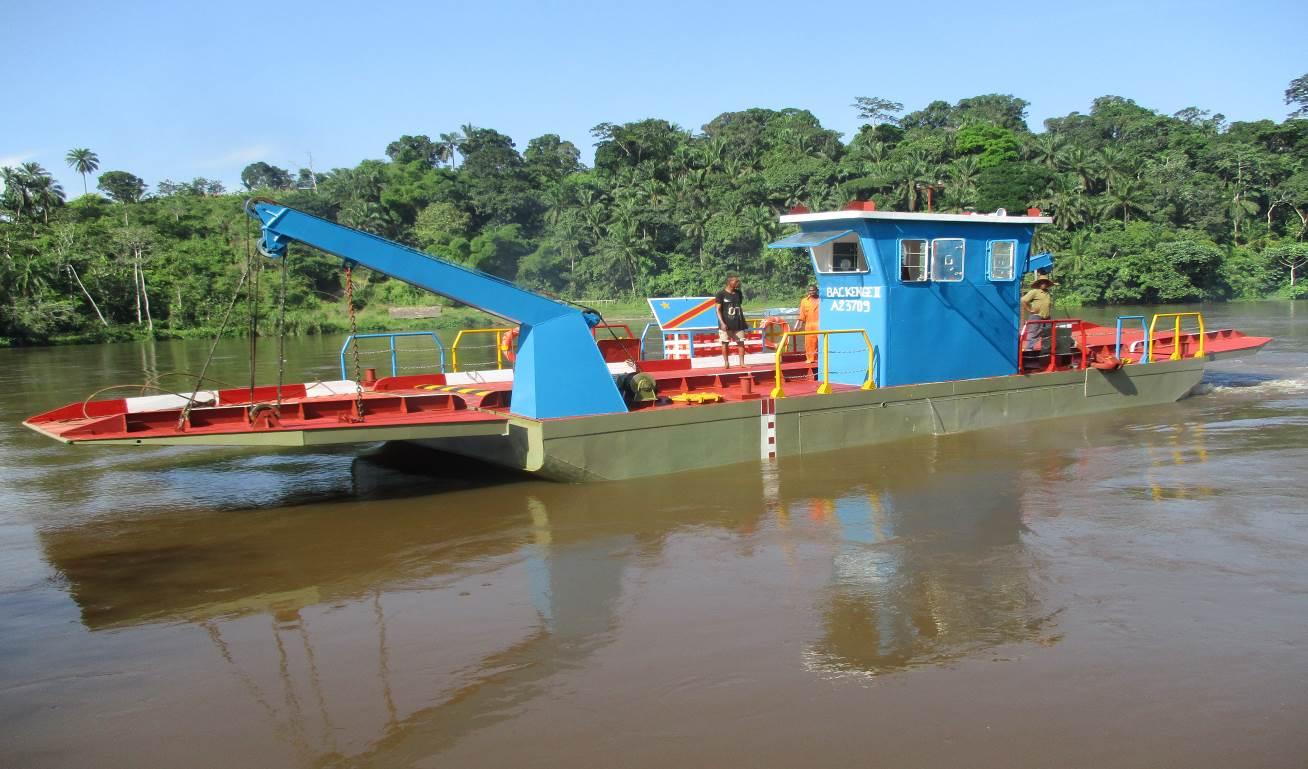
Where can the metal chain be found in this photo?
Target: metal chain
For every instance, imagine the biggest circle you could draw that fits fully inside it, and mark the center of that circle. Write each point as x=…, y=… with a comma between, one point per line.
x=236, y=295
x=253, y=306
x=354, y=344
x=281, y=328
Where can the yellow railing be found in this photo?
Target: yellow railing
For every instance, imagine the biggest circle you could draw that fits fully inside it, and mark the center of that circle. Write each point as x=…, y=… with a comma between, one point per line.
x=1176, y=333
x=825, y=387
x=459, y=337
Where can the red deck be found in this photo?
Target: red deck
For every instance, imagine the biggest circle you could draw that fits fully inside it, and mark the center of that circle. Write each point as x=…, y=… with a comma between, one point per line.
x=421, y=400
x=1219, y=343
x=431, y=400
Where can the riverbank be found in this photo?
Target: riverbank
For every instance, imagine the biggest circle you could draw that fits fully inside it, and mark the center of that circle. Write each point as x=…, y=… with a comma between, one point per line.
x=332, y=318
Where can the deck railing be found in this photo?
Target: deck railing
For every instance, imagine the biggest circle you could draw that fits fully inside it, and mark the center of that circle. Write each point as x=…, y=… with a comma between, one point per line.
x=1117, y=345
x=1176, y=334
x=466, y=333
x=612, y=327
x=825, y=388
x=392, y=350
x=1051, y=341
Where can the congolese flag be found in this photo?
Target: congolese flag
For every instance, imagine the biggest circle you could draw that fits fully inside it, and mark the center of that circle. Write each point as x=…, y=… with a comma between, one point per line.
x=685, y=313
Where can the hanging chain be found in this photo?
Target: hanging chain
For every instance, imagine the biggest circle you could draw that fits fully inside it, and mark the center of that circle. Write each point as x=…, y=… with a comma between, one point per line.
x=281, y=327
x=236, y=295
x=354, y=344
x=255, y=268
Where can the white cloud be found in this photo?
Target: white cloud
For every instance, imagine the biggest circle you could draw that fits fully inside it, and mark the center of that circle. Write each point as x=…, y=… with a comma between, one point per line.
x=16, y=159
x=241, y=156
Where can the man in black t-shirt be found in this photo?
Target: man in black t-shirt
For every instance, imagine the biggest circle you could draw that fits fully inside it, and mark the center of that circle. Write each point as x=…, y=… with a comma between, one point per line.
x=731, y=319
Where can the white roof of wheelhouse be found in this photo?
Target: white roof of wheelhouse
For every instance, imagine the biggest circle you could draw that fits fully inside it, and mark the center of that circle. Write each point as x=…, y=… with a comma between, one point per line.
x=833, y=216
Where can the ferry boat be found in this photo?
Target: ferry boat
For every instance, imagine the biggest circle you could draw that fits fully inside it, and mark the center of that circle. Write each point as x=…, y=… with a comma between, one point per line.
x=920, y=333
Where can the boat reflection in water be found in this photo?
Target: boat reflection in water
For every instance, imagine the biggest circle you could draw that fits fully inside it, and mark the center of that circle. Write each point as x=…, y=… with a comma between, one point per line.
x=384, y=633
x=927, y=568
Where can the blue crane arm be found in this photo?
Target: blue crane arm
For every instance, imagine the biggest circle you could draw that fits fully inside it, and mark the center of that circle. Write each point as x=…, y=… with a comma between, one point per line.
x=462, y=284
x=559, y=370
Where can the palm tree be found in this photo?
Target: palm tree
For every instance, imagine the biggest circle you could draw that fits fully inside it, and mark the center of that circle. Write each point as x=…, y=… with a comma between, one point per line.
x=46, y=193
x=1126, y=197
x=1112, y=163
x=84, y=162
x=568, y=236
x=17, y=193
x=910, y=172
x=1044, y=149
x=962, y=174
x=762, y=223
x=1075, y=160
x=1069, y=203
x=30, y=186
x=625, y=247
x=591, y=207
x=557, y=201
x=367, y=216
x=694, y=225
x=448, y=148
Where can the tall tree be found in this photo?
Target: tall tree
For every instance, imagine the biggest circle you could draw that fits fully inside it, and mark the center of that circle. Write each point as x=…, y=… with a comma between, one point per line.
x=83, y=161
x=449, y=147
x=876, y=110
x=121, y=186
x=64, y=244
x=1297, y=93
x=1292, y=256
x=263, y=175
x=134, y=245
x=410, y=149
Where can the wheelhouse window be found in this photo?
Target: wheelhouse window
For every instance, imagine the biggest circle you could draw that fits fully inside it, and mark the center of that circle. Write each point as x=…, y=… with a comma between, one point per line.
x=844, y=257
x=1002, y=258
x=947, y=260
x=912, y=261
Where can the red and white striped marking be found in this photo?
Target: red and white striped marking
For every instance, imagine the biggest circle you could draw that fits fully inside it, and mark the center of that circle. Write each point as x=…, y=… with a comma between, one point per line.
x=768, y=428
x=679, y=345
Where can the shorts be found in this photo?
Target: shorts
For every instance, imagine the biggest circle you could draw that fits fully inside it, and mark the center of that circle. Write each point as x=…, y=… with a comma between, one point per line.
x=726, y=336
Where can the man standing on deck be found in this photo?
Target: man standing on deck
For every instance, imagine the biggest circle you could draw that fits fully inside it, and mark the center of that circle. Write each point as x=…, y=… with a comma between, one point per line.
x=731, y=320
x=808, y=321
x=1038, y=304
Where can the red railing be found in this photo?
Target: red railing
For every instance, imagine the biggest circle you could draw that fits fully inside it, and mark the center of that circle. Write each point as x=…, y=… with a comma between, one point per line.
x=1052, y=341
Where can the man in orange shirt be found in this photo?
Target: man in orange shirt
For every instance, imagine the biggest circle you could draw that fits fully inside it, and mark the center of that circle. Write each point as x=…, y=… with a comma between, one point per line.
x=808, y=321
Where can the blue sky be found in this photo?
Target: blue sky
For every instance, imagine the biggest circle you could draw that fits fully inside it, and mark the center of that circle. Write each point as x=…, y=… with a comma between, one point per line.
x=184, y=89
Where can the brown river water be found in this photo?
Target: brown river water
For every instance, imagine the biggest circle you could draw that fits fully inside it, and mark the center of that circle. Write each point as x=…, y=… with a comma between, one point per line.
x=1125, y=590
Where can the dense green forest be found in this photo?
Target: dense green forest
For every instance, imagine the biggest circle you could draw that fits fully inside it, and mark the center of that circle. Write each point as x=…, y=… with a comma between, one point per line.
x=1148, y=208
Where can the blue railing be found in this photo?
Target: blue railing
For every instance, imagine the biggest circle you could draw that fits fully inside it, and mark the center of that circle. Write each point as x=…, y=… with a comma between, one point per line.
x=1117, y=348
x=394, y=352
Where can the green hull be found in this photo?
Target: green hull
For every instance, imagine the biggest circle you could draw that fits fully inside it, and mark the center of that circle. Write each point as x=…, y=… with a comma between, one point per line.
x=660, y=442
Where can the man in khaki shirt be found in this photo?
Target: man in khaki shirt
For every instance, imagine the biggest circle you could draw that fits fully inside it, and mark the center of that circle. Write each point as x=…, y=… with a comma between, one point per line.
x=1038, y=304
